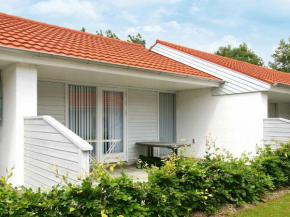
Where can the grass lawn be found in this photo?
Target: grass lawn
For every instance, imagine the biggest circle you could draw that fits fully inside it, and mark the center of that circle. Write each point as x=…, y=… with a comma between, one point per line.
x=279, y=207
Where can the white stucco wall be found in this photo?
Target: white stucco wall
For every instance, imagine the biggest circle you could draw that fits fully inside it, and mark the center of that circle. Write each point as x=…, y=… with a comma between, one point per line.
x=236, y=121
x=19, y=100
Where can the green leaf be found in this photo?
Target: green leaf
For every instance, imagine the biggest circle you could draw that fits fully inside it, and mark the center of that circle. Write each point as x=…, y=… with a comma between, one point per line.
x=2, y=179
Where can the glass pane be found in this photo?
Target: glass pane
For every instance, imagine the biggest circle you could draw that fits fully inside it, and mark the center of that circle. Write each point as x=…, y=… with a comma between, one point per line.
x=113, y=106
x=82, y=112
x=166, y=120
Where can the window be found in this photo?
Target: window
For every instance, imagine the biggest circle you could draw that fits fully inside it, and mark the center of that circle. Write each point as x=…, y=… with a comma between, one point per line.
x=273, y=110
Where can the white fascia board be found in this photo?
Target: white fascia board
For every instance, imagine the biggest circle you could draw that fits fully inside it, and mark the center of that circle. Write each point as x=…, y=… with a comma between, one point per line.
x=75, y=139
x=35, y=58
x=236, y=82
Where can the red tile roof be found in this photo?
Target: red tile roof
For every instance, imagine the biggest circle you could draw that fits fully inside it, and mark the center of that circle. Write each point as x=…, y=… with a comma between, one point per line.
x=20, y=33
x=265, y=74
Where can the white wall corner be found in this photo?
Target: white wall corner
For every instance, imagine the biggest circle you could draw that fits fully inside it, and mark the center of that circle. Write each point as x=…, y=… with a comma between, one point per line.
x=19, y=100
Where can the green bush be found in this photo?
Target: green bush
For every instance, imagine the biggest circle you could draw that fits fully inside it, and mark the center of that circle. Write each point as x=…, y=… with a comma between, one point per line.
x=182, y=186
x=275, y=163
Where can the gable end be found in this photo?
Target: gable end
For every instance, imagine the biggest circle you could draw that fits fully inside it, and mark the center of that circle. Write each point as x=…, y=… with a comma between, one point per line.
x=235, y=82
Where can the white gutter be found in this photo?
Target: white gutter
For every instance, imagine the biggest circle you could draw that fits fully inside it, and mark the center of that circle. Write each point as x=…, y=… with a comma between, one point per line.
x=100, y=63
x=277, y=84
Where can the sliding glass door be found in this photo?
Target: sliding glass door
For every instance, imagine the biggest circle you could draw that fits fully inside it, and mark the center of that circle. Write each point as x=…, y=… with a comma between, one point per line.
x=105, y=131
x=113, y=124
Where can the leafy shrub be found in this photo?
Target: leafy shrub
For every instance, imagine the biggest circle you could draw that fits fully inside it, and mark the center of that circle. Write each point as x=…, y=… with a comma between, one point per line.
x=233, y=179
x=275, y=163
x=183, y=185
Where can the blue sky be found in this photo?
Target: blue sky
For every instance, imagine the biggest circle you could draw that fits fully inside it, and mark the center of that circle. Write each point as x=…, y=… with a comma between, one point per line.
x=199, y=24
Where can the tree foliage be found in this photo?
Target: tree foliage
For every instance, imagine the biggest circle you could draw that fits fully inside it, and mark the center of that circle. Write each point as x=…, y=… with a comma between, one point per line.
x=242, y=53
x=137, y=39
x=281, y=57
x=108, y=34
x=83, y=29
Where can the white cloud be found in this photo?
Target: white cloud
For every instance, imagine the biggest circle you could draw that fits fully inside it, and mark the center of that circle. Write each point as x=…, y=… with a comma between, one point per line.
x=157, y=16
x=266, y=7
x=173, y=24
x=278, y=4
x=230, y=40
x=69, y=8
x=154, y=28
x=229, y=22
x=129, y=17
x=13, y=6
x=215, y=42
x=273, y=48
x=138, y=3
x=197, y=6
x=194, y=10
x=130, y=30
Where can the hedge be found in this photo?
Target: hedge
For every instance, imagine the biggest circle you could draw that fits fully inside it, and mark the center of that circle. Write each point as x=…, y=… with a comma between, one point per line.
x=179, y=188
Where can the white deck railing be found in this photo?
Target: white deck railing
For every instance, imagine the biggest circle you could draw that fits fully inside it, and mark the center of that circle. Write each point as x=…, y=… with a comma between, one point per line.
x=276, y=130
x=47, y=142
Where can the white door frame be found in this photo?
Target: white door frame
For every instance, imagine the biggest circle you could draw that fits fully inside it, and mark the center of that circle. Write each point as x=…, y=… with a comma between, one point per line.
x=112, y=157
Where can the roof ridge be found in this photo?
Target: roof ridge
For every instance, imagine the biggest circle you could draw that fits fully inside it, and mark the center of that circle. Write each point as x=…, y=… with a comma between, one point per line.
x=68, y=29
x=251, y=64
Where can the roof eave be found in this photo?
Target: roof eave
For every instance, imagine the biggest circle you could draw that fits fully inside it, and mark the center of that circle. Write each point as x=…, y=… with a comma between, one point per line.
x=95, y=62
x=277, y=84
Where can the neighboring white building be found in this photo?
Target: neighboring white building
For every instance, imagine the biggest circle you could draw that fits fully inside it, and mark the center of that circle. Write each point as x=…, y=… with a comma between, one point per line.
x=63, y=89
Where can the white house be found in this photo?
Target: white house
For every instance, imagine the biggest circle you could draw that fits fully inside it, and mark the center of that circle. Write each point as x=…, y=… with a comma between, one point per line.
x=61, y=89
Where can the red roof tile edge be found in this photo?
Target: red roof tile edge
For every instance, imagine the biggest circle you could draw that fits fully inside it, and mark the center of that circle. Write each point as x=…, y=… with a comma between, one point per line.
x=68, y=29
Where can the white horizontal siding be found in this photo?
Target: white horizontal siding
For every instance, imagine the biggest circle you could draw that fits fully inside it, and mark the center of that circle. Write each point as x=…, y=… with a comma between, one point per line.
x=51, y=100
x=276, y=130
x=142, y=121
x=236, y=82
x=45, y=145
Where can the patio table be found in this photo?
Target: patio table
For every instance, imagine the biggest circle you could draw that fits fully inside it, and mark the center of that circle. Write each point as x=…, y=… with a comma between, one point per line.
x=170, y=145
